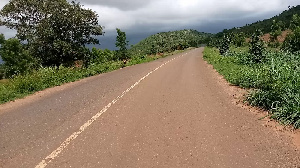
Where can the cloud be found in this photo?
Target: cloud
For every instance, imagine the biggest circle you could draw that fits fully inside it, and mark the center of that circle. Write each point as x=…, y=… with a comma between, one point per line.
x=7, y=32
x=140, y=18
x=125, y=5
x=170, y=13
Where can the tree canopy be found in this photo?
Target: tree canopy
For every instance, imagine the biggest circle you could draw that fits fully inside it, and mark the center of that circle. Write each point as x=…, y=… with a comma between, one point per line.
x=122, y=44
x=55, y=31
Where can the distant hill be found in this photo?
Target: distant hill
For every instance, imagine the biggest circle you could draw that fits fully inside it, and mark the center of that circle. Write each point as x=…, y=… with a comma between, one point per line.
x=170, y=41
x=265, y=25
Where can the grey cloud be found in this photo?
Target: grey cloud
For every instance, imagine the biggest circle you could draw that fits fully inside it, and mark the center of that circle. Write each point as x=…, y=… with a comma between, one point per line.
x=125, y=5
x=141, y=18
x=7, y=32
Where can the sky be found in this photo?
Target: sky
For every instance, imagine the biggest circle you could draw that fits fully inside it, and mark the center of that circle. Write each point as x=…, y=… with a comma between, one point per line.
x=141, y=18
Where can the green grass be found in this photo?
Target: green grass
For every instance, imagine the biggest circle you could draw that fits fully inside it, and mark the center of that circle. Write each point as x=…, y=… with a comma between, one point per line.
x=276, y=81
x=23, y=85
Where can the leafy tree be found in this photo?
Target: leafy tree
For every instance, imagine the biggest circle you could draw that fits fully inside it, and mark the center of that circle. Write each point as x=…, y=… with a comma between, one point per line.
x=224, y=48
x=16, y=59
x=239, y=39
x=56, y=31
x=292, y=41
x=275, y=30
x=295, y=22
x=100, y=56
x=122, y=44
x=257, y=47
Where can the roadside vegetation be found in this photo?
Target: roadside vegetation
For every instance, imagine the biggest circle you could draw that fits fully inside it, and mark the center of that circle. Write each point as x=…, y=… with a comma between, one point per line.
x=271, y=69
x=50, y=46
x=46, y=77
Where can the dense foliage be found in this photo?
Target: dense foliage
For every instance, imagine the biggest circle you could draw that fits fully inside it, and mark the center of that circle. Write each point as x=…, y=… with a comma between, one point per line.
x=224, y=46
x=122, y=44
x=292, y=42
x=17, y=60
x=256, y=47
x=284, y=19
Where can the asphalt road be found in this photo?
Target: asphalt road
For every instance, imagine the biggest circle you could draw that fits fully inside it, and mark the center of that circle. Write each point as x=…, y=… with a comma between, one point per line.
x=167, y=113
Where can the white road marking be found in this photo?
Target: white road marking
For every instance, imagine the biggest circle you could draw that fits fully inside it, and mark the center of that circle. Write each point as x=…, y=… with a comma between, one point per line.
x=64, y=145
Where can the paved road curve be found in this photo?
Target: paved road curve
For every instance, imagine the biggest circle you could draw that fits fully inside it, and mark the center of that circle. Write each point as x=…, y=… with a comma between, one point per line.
x=167, y=113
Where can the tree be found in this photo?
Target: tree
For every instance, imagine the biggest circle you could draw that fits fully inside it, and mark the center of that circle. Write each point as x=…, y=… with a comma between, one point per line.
x=56, y=31
x=239, y=39
x=122, y=44
x=292, y=41
x=2, y=39
x=224, y=47
x=257, y=47
x=17, y=60
x=275, y=30
x=295, y=22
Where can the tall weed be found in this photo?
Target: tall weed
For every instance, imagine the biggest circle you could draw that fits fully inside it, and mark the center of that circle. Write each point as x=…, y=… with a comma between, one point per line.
x=276, y=81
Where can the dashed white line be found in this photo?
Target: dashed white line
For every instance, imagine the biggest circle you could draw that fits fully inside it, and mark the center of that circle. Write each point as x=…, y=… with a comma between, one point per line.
x=72, y=137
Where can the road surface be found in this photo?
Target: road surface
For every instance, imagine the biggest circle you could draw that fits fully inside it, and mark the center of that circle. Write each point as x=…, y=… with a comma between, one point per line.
x=168, y=113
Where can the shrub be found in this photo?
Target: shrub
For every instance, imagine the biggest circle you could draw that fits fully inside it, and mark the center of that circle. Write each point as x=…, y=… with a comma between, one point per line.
x=224, y=47
x=17, y=60
x=257, y=47
x=292, y=41
x=276, y=80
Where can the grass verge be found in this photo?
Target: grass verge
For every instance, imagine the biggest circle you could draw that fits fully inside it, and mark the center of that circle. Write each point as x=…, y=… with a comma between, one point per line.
x=276, y=81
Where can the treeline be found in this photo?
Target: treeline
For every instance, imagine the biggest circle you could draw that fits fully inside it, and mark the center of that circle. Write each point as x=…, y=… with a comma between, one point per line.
x=170, y=41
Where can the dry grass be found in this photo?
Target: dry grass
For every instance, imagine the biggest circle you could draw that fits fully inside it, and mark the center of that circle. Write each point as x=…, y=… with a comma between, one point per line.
x=3, y=81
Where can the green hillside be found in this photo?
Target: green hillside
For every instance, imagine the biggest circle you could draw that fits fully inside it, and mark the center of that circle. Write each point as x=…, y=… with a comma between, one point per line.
x=265, y=25
x=169, y=41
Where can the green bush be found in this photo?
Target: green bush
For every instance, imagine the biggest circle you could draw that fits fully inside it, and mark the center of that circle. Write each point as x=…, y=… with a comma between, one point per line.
x=292, y=41
x=257, y=47
x=224, y=47
x=100, y=56
x=43, y=78
x=17, y=59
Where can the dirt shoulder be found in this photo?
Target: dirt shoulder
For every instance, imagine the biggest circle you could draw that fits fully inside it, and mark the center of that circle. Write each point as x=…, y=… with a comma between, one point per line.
x=238, y=96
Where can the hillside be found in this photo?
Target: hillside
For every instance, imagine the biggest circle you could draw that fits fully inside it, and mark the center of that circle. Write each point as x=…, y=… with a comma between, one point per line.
x=265, y=25
x=169, y=41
